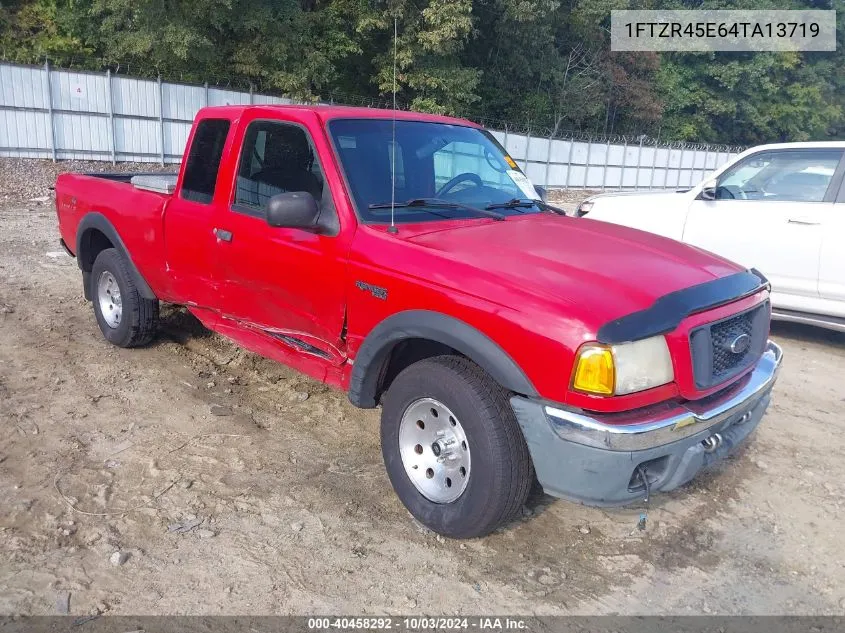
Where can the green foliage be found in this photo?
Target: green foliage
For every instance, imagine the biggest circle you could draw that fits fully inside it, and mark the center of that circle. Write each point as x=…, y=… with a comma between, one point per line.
x=31, y=31
x=544, y=64
x=748, y=98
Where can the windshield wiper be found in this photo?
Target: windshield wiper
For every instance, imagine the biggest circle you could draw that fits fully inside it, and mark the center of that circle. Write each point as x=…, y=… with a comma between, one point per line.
x=513, y=203
x=550, y=207
x=437, y=203
x=516, y=203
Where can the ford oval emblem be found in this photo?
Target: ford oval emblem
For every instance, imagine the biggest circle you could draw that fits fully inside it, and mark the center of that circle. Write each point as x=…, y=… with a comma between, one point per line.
x=740, y=344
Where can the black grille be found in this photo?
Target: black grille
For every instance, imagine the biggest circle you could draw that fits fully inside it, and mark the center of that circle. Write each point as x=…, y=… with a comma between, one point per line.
x=723, y=349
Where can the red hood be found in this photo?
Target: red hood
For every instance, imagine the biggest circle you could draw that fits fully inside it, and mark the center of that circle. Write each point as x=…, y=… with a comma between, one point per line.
x=606, y=270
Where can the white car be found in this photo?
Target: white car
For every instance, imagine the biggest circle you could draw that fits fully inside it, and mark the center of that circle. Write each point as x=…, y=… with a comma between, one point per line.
x=777, y=208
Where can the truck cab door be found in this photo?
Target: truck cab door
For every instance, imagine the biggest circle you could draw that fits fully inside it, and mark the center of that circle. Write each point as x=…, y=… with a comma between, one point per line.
x=287, y=284
x=769, y=212
x=190, y=241
x=832, y=260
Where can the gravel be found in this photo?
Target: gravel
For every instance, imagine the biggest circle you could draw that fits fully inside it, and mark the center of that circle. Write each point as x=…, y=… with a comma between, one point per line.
x=31, y=180
x=570, y=196
x=712, y=544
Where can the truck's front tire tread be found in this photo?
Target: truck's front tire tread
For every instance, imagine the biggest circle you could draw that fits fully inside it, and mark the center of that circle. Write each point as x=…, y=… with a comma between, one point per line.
x=140, y=315
x=503, y=473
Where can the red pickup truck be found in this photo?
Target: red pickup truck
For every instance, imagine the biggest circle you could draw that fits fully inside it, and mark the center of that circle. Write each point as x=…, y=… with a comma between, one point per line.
x=406, y=259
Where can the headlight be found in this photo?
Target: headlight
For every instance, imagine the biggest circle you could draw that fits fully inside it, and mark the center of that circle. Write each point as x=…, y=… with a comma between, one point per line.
x=607, y=370
x=583, y=208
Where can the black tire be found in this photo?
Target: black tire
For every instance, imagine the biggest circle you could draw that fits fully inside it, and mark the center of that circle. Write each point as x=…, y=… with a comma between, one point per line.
x=139, y=318
x=501, y=474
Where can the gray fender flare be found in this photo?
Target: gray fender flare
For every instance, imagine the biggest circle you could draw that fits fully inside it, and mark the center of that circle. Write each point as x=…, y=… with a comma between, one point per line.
x=98, y=222
x=433, y=326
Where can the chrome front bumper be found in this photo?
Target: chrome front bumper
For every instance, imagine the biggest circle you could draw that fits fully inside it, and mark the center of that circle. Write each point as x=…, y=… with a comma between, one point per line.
x=599, y=459
x=661, y=425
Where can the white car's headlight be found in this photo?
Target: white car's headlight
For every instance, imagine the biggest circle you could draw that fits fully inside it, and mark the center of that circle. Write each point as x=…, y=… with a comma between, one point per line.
x=625, y=368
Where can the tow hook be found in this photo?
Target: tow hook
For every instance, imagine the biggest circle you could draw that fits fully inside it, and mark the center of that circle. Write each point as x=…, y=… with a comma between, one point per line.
x=711, y=443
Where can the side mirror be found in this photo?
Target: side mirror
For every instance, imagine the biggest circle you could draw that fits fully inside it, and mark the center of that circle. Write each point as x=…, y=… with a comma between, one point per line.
x=708, y=191
x=293, y=209
x=542, y=192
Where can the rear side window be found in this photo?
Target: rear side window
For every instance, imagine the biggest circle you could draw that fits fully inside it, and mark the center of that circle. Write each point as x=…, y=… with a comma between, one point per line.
x=204, y=160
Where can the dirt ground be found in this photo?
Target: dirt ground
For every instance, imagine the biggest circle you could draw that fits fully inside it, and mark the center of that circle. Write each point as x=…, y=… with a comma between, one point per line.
x=229, y=484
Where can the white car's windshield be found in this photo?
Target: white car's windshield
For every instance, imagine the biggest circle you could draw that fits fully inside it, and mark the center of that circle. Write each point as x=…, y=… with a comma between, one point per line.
x=441, y=171
x=780, y=175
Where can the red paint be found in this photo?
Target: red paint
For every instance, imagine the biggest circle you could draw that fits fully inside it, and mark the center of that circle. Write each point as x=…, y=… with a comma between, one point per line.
x=538, y=285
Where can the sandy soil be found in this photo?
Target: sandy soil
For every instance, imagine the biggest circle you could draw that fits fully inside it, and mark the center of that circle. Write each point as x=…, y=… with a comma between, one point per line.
x=281, y=504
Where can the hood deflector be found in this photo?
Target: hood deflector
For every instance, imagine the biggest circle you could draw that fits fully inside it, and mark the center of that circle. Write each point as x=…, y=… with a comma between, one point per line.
x=667, y=312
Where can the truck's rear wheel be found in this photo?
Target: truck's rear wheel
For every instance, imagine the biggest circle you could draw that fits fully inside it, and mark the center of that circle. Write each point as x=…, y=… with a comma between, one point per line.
x=125, y=318
x=453, y=448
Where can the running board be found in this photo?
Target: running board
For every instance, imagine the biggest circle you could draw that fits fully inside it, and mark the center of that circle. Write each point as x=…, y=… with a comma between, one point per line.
x=828, y=322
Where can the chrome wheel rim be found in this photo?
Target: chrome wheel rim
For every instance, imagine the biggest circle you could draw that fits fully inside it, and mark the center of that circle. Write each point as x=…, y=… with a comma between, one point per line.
x=434, y=450
x=108, y=295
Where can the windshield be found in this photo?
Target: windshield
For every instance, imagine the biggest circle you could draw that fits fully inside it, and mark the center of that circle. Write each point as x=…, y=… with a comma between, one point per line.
x=436, y=164
x=792, y=175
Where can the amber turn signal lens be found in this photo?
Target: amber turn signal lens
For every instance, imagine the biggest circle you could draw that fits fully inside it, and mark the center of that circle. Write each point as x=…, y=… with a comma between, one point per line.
x=594, y=372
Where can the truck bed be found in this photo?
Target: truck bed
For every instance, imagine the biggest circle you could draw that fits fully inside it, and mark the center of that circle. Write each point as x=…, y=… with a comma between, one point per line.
x=132, y=203
x=160, y=182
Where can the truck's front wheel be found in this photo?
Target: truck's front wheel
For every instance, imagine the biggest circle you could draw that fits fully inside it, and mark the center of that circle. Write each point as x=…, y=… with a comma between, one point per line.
x=125, y=318
x=453, y=448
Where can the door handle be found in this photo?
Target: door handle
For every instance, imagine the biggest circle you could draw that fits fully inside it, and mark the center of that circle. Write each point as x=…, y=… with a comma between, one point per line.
x=803, y=221
x=223, y=235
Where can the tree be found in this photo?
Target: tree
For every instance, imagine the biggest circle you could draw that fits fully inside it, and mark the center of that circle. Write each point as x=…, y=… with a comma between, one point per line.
x=749, y=98
x=31, y=31
x=539, y=64
x=429, y=72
